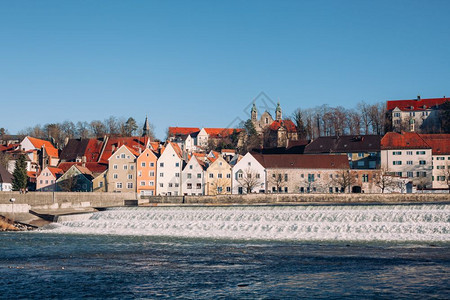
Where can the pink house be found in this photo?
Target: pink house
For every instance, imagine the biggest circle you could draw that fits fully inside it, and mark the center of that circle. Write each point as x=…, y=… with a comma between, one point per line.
x=46, y=181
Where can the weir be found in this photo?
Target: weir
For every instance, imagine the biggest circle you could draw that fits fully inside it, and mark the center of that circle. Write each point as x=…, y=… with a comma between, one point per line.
x=426, y=222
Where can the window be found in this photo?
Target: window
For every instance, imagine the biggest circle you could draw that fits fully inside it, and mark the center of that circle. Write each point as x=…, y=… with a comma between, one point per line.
x=310, y=177
x=228, y=175
x=397, y=115
x=125, y=167
x=177, y=174
x=440, y=158
x=228, y=189
x=139, y=173
x=177, y=164
x=420, y=152
x=199, y=186
x=409, y=162
x=130, y=176
x=258, y=175
x=122, y=155
x=189, y=186
x=170, y=184
x=397, y=153
x=302, y=175
x=302, y=189
x=161, y=185
x=142, y=164
x=46, y=181
x=161, y=174
x=115, y=176
x=365, y=178
x=249, y=163
x=142, y=183
x=190, y=167
x=360, y=163
x=219, y=189
x=285, y=177
x=151, y=183
x=118, y=185
x=361, y=154
x=177, y=185
x=211, y=175
x=285, y=189
x=151, y=173
x=189, y=175
x=409, y=153
x=131, y=167
x=152, y=164
x=130, y=185
x=422, y=162
x=409, y=174
x=330, y=190
x=115, y=167
x=199, y=175
x=397, y=162
x=161, y=165
x=219, y=175
x=100, y=184
x=399, y=174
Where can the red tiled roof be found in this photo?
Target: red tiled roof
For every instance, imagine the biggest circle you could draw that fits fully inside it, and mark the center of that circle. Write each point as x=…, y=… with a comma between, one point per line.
x=405, y=140
x=173, y=131
x=177, y=150
x=94, y=167
x=302, y=161
x=154, y=145
x=290, y=127
x=439, y=143
x=415, y=104
x=133, y=142
x=55, y=171
x=37, y=143
x=228, y=151
x=220, y=132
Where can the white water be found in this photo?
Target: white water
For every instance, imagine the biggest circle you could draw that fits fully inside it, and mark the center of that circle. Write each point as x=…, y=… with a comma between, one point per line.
x=339, y=222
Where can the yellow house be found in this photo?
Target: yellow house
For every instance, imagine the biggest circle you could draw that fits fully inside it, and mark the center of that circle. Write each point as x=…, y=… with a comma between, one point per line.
x=100, y=182
x=218, y=178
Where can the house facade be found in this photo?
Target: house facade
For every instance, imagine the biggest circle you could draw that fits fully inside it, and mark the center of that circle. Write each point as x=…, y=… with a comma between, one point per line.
x=407, y=155
x=122, y=171
x=417, y=115
x=193, y=177
x=46, y=180
x=146, y=173
x=169, y=169
x=76, y=179
x=218, y=178
x=249, y=176
x=5, y=180
x=440, y=157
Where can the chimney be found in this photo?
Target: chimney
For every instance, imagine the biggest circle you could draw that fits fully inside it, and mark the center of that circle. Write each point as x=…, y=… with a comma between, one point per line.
x=83, y=161
x=418, y=97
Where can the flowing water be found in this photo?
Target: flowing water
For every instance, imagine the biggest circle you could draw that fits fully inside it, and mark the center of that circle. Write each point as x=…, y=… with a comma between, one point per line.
x=235, y=252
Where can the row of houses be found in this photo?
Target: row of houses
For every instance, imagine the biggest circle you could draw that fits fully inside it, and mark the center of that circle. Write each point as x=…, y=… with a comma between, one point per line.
x=325, y=165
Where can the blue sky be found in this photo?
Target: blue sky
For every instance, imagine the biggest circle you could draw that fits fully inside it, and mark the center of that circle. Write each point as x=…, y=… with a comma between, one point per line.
x=200, y=63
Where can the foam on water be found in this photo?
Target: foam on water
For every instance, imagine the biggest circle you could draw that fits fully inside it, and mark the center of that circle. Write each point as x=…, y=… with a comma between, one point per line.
x=339, y=222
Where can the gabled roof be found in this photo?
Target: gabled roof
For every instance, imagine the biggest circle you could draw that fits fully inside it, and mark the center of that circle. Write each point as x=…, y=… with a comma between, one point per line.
x=288, y=124
x=221, y=132
x=114, y=143
x=415, y=104
x=302, y=161
x=174, y=131
x=94, y=167
x=344, y=144
x=5, y=176
x=38, y=143
x=405, y=140
x=55, y=171
x=439, y=143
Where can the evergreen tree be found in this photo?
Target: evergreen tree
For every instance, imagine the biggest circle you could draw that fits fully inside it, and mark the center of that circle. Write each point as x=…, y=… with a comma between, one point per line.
x=130, y=127
x=20, y=174
x=445, y=117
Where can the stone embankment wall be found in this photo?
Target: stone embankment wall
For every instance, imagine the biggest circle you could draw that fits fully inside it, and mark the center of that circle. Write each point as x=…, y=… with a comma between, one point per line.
x=300, y=198
x=61, y=200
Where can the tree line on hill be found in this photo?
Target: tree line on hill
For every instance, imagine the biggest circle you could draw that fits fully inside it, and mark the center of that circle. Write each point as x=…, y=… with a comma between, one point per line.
x=111, y=126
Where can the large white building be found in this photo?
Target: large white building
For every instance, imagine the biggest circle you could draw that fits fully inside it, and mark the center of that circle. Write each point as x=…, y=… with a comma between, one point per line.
x=249, y=176
x=193, y=177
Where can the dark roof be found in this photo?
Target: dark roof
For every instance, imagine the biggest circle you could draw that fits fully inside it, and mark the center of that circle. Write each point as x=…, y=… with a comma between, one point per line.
x=5, y=176
x=344, y=144
x=302, y=161
x=294, y=147
x=74, y=149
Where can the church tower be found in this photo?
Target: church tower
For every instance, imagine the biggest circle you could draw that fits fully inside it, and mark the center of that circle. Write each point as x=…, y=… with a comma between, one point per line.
x=146, y=128
x=278, y=115
x=254, y=113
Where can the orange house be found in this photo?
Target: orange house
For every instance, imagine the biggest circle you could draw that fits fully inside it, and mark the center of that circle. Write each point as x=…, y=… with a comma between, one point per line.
x=146, y=173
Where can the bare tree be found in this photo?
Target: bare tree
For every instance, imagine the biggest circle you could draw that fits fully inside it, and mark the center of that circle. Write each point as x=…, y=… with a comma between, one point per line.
x=112, y=126
x=377, y=113
x=354, y=122
x=384, y=179
x=98, y=128
x=344, y=179
x=445, y=172
x=4, y=159
x=83, y=130
x=219, y=186
x=364, y=109
x=249, y=180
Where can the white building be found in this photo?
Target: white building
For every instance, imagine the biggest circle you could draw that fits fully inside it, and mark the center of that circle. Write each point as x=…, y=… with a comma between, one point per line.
x=169, y=169
x=5, y=180
x=193, y=177
x=248, y=176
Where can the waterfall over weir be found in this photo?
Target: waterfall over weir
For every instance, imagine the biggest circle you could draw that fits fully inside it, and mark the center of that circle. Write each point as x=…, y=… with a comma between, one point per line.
x=426, y=222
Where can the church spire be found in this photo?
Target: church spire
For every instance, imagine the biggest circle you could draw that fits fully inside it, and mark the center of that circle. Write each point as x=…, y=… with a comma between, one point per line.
x=146, y=128
x=254, y=112
x=278, y=114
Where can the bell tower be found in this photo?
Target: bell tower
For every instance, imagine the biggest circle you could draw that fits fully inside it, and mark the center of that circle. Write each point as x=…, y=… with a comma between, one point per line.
x=278, y=114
